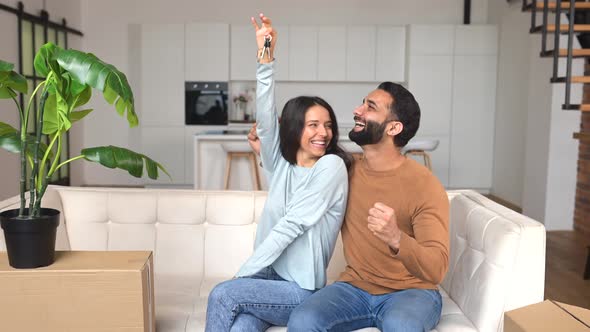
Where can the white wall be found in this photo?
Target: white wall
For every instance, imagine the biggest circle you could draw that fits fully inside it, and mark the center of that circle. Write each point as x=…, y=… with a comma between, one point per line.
x=536, y=133
x=563, y=155
x=515, y=45
x=58, y=9
x=551, y=152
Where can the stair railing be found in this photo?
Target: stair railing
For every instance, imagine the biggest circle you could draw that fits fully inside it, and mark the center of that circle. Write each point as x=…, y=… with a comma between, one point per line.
x=554, y=78
x=570, y=44
x=571, y=34
x=533, y=16
x=544, y=27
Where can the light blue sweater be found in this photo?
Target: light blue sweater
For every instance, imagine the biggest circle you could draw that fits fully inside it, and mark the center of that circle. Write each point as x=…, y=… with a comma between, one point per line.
x=305, y=207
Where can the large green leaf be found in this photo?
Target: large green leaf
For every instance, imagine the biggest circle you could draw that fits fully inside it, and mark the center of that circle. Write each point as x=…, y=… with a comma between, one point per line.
x=55, y=115
x=116, y=157
x=10, y=141
x=88, y=69
x=6, y=66
x=79, y=115
x=5, y=69
x=82, y=97
x=45, y=59
x=6, y=93
x=17, y=82
x=50, y=118
x=11, y=81
x=5, y=129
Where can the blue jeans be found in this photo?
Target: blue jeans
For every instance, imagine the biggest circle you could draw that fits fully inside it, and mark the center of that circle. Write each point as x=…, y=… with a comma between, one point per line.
x=343, y=307
x=253, y=303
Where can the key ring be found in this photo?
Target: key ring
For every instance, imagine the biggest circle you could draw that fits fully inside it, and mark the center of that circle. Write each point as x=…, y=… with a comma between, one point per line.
x=266, y=48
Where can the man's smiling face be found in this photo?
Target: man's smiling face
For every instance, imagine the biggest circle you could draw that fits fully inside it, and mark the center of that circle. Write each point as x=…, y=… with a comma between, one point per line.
x=371, y=118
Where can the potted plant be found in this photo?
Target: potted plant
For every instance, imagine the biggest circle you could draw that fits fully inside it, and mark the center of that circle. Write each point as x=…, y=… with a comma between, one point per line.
x=70, y=76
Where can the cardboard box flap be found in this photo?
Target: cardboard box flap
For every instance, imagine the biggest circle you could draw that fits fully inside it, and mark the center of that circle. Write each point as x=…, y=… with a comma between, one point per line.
x=547, y=316
x=581, y=314
x=87, y=261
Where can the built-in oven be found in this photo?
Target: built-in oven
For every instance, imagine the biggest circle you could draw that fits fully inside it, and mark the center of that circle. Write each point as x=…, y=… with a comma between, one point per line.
x=206, y=103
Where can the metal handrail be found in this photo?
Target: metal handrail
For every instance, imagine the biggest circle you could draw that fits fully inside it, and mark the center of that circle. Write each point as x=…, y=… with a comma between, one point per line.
x=556, y=40
x=570, y=45
x=544, y=27
x=533, y=15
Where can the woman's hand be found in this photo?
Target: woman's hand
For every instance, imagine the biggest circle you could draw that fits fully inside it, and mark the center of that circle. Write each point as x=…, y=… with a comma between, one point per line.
x=262, y=31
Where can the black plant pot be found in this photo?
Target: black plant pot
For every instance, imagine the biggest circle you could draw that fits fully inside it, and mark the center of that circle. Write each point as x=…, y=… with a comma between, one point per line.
x=30, y=242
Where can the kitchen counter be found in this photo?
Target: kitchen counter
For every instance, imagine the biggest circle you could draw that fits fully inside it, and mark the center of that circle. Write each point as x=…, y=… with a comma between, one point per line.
x=210, y=157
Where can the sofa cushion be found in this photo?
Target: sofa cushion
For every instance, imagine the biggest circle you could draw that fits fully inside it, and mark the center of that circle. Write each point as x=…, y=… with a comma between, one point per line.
x=452, y=319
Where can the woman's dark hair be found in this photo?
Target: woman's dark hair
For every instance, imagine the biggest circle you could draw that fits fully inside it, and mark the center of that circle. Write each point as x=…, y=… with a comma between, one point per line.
x=293, y=123
x=405, y=109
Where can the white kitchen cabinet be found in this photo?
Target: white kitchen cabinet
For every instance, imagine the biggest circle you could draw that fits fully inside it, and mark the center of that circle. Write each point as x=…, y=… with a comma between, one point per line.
x=162, y=75
x=391, y=53
x=430, y=79
x=331, y=53
x=166, y=145
x=303, y=55
x=431, y=39
x=282, y=53
x=243, y=53
x=207, y=52
x=326, y=53
x=360, y=53
x=476, y=40
x=472, y=125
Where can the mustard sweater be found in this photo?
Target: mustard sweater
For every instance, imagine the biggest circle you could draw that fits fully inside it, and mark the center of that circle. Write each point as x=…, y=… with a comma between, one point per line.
x=422, y=210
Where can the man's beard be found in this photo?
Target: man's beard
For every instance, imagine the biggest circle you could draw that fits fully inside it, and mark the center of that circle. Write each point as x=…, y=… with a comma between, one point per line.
x=371, y=134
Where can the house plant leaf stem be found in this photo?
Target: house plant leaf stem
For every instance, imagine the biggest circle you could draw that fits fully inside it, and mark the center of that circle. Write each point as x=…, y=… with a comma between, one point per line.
x=24, y=116
x=23, y=160
x=36, y=169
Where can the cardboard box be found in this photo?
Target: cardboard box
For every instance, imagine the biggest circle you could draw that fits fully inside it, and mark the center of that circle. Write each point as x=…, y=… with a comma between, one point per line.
x=82, y=291
x=547, y=316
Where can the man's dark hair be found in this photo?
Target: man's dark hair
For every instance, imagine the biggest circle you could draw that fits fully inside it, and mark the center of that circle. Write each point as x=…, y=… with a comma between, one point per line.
x=293, y=123
x=405, y=109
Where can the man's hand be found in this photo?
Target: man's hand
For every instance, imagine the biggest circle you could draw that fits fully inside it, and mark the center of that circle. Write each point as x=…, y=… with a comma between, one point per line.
x=383, y=223
x=253, y=140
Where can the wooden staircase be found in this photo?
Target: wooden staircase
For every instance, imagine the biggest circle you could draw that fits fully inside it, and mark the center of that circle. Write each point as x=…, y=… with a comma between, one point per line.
x=573, y=29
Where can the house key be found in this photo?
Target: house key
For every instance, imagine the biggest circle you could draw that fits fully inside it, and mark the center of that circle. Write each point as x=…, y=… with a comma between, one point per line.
x=266, y=48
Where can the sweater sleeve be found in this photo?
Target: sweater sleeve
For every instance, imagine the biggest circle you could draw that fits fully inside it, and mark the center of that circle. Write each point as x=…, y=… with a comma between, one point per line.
x=267, y=121
x=327, y=186
x=426, y=255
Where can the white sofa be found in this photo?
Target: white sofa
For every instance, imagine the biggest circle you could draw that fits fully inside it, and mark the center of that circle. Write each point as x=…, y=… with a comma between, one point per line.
x=200, y=238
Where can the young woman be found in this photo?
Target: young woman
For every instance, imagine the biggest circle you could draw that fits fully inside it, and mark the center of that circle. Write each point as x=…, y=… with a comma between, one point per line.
x=308, y=187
